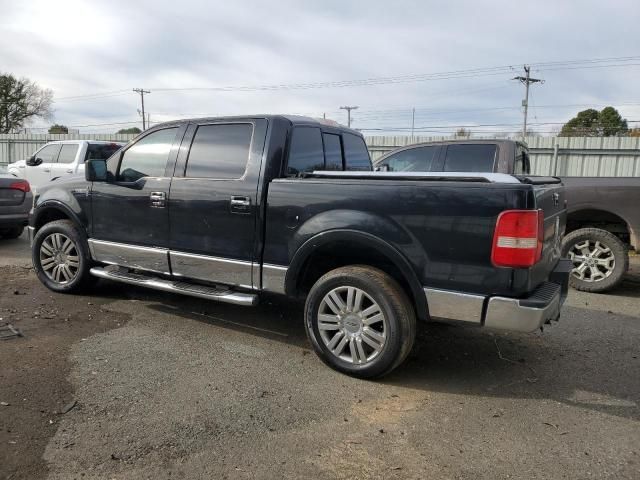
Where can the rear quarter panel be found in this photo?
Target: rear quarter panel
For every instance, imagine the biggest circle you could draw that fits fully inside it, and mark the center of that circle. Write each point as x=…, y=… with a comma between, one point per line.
x=443, y=229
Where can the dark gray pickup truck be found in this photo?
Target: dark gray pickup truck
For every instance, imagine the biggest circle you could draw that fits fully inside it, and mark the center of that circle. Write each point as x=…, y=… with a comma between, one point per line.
x=229, y=208
x=603, y=213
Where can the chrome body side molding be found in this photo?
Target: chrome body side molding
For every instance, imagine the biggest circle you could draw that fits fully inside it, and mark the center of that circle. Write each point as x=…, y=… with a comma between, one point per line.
x=450, y=305
x=273, y=277
x=211, y=269
x=151, y=259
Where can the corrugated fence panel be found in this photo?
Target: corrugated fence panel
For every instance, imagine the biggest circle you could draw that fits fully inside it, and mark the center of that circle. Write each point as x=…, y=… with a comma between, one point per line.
x=564, y=156
x=16, y=146
x=571, y=156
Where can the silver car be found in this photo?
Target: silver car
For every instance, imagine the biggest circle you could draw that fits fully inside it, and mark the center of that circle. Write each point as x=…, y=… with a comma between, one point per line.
x=15, y=202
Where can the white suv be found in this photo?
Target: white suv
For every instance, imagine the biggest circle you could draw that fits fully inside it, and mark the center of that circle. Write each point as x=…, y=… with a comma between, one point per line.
x=61, y=158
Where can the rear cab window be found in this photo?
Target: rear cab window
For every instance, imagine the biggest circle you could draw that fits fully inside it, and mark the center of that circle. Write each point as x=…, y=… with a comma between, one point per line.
x=312, y=149
x=470, y=158
x=521, y=164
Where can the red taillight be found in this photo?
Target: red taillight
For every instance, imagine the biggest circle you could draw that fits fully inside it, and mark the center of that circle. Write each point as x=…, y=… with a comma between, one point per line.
x=517, y=241
x=20, y=185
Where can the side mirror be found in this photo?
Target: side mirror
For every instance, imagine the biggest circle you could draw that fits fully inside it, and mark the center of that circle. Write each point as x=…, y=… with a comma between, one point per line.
x=382, y=168
x=32, y=161
x=95, y=170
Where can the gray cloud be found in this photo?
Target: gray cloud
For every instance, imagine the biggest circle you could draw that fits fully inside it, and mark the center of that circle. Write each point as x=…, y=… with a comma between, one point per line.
x=77, y=48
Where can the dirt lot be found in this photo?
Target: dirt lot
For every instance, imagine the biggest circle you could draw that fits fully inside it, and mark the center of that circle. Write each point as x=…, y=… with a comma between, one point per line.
x=163, y=387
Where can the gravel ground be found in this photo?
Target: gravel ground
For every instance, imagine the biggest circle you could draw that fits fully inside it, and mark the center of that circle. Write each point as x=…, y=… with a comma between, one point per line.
x=167, y=387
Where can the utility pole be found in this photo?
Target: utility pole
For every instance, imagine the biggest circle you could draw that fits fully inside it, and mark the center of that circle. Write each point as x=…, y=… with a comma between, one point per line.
x=348, y=109
x=413, y=121
x=526, y=80
x=142, y=91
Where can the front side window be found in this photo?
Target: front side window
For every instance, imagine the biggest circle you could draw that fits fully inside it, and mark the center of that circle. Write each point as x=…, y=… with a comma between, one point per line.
x=356, y=155
x=220, y=151
x=470, y=158
x=412, y=160
x=305, y=154
x=332, y=151
x=49, y=154
x=147, y=157
x=68, y=153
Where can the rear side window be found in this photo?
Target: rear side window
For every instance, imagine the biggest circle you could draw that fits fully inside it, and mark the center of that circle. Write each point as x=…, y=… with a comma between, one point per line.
x=305, y=154
x=68, y=153
x=101, y=151
x=148, y=156
x=332, y=151
x=412, y=160
x=356, y=154
x=521, y=165
x=220, y=151
x=470, y=158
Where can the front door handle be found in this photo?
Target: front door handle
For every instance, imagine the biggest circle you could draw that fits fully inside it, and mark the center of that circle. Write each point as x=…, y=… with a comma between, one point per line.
x=240, y=204
x=69, y=170
x=158, y=199
x=46, y=170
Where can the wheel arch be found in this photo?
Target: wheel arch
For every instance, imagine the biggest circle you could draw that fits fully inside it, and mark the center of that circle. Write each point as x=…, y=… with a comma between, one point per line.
x=51, y=211
x=591, y=217
x=337, y=248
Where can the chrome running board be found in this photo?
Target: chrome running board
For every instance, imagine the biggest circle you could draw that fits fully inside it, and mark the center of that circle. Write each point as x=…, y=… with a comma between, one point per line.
x=220, y=294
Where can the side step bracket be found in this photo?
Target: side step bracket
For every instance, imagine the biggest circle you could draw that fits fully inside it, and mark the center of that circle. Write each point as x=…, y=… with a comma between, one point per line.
x=220, y=294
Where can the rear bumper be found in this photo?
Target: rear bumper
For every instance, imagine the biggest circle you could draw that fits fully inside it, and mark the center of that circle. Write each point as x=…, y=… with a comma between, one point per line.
x=514, y=314
x=14, y=219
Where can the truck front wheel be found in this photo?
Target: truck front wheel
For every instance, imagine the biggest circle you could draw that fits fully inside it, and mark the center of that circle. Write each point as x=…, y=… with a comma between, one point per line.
x=60, y=256
x=360, y=321
x=600, y=259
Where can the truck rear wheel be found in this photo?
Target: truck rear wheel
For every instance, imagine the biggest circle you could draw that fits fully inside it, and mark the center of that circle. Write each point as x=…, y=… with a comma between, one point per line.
x=360, y=321
x=600, y=259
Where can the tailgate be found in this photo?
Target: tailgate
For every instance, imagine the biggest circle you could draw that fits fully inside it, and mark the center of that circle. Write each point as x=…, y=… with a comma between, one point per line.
x=549, y=196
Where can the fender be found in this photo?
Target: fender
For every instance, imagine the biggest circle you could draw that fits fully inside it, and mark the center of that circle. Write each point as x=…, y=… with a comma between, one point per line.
x=49, y=205
x=365, y=240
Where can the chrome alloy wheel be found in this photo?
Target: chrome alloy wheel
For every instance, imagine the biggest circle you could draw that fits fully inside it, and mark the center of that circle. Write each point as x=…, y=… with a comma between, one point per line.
x=59, y=258
x=592, y=261
x=352, y=325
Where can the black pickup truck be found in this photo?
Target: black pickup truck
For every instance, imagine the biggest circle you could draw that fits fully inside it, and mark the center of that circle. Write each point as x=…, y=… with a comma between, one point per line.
x=603, y=218
x=227, y=208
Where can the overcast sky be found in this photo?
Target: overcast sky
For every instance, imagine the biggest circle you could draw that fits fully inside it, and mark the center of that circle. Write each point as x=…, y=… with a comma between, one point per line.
x=81, y=48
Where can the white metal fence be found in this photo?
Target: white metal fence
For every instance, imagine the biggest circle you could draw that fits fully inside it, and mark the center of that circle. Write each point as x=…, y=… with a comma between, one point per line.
x=564, y=156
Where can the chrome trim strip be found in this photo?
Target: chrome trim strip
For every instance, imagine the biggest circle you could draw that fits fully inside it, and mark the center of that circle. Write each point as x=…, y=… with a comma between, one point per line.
x=211, y=269
x=450, y=305
x=31, y=232
x=152, y=259
x=236, y=298
x=273, y=278
x=486, y=177
x=507, y=314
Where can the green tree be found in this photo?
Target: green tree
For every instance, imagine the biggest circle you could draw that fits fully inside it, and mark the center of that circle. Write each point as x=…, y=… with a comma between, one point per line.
x=591, y=123
x=21, y=100
x=463, y=133
x=58, y=129
x=612, y=123
x=135, y=130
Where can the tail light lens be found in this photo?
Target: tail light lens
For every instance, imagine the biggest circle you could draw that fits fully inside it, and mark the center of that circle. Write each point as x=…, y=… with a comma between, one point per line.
x=22, y=185
x=517, y=240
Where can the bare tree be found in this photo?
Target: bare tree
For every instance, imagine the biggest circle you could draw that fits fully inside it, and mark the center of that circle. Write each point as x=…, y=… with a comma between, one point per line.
x=463, y=133
x=22, y=100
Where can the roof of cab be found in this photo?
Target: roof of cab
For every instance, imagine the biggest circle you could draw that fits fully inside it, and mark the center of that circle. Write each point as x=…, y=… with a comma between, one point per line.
x=293, y=119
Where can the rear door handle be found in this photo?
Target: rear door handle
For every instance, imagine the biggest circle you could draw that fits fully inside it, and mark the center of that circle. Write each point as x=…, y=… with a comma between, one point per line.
x=158, y=199
x=46, y=170
x=240, y=204
x=70, y=171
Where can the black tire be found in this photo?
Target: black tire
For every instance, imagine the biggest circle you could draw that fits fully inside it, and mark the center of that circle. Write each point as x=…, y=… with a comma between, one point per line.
x=614, y=271
x=398, y=312
x=68, y=229
x=11, y=232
